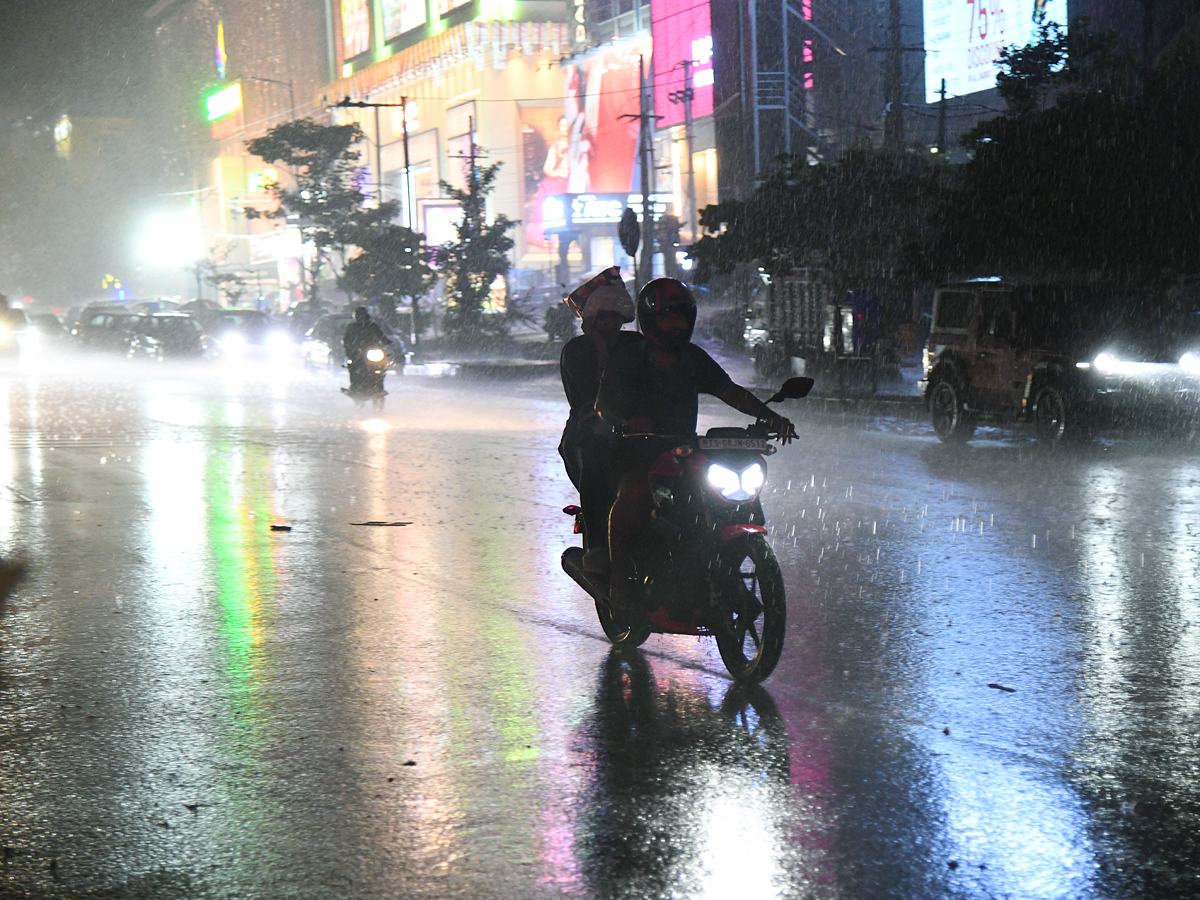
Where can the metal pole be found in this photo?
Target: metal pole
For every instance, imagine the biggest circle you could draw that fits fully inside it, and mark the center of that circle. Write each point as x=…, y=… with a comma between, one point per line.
x=292, y=98
x=941, y=135
x=692, y=212
x=378, y=160
x=647, y=262
x=893, y=126
x=408, y=199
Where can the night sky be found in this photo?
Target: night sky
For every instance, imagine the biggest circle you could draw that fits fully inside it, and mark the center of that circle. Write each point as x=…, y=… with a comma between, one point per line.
x=83, y=57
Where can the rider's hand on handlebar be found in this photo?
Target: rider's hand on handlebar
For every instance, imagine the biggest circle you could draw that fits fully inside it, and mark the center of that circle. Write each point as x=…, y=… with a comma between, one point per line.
x=782, y=427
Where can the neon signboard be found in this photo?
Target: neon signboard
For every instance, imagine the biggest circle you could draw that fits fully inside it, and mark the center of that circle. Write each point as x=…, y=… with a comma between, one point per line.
x=564, y=212
x=401, y=16
x=223, y=102
x=682, y=30
x=963, y=38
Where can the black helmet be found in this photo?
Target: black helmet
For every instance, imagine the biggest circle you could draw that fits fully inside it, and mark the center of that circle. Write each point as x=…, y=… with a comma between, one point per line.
x=361, y=315
x=660, y=295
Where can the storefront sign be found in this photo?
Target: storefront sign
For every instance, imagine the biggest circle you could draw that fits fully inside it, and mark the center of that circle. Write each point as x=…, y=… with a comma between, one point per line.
x=223, y=102
x=566, y=212
x=401, y=16
x=356, y=28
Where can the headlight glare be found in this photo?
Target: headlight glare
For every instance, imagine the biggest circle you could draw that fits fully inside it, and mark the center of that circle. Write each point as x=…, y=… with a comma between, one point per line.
x=1190, y=363
x=1106, y=363
x=734, y=486
x=375, y=355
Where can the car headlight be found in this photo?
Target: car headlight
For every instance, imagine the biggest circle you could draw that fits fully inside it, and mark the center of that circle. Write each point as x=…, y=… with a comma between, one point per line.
x=1190, y=363
x=1106, y=363
x=279, y=342
x=375, y=355
x=233, y=342
x=5, y=332
x=736, y=486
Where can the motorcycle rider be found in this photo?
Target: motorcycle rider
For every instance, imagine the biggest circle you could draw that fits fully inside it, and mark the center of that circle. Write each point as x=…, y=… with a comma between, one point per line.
x=652, y=388
x=361, y=335
x=604, y=305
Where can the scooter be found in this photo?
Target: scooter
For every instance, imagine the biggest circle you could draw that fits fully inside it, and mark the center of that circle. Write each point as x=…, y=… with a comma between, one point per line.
x=705, y=564
x=369, y=383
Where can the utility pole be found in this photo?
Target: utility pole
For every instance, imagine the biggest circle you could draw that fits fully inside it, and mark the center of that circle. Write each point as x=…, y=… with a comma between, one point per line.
x=646, y=151
x=941, y=135
x=686, y=96
x=408, y=204
x=893, y=123
x=378, y=161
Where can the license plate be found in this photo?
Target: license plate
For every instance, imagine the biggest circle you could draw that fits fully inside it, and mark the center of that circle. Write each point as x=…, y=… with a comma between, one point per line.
x=716, y=443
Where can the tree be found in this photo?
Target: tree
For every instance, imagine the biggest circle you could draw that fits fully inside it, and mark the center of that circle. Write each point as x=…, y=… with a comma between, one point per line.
x=394, y=263
x=326, y=199
x=860, y=220
x=1076, y=60
x=476, y=259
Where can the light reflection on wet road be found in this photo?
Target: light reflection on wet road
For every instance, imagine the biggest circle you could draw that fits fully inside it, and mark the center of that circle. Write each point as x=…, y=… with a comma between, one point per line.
x=192, y=705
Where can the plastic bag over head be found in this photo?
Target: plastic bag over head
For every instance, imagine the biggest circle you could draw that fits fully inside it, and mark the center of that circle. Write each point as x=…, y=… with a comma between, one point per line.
x=604, y=293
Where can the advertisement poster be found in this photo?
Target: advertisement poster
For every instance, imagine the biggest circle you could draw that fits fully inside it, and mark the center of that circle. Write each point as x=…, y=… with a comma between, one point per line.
x=682, y=30
x=964, y=37
x=444, y=6
x=356, y=28
x=544, y=147
x=401, y=16
x=602, y=146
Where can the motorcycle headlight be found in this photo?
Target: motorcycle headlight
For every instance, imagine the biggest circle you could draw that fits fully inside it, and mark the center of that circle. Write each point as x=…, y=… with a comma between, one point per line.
x=1106, y=363
x=375, y=355
x=736, y=486
x=1190, y=363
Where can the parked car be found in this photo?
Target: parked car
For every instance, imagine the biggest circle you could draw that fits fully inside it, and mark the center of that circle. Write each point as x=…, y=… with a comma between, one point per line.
x=104, y=327
x=1060, y=357
x=322, y=346
x=167, y=335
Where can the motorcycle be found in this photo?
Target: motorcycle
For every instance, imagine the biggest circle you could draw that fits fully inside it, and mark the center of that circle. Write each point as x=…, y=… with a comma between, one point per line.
x=368, y=385
x=705, y=564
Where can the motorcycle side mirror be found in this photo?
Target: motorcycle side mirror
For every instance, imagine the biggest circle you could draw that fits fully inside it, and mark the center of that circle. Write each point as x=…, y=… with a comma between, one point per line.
x=793, y=389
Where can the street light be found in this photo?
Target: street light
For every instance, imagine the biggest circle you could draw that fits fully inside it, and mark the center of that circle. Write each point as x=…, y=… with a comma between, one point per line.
x=288, y=84
x=345, y=103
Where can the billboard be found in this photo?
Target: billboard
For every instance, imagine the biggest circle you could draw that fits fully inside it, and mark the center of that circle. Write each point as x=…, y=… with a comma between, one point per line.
x=356, y=28
x=401, y=16
x=601, y=146
x=964, y=37
x=682, y=30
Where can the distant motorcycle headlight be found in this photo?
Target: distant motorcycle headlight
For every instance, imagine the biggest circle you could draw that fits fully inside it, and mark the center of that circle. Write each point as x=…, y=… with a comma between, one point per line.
x=375, y=355
x=1190, y=363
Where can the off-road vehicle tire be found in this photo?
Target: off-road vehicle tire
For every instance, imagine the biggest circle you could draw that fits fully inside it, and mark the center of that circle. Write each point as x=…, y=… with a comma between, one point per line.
x=947, y=411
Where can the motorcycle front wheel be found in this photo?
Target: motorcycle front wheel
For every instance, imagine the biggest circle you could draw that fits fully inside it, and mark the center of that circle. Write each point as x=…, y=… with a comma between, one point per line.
x=754, y=611
x=625, y=632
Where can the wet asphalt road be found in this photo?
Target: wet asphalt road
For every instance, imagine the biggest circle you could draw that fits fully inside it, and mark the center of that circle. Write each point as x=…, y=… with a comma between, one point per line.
x=990, y=688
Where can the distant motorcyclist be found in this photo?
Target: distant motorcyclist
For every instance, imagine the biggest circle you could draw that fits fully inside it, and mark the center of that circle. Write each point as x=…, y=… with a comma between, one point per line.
x=361, y=335
x=604, y=305
x=652, y=388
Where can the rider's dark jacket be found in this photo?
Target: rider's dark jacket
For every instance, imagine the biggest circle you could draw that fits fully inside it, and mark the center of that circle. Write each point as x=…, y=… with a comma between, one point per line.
x=633, y=387
x=359, y=337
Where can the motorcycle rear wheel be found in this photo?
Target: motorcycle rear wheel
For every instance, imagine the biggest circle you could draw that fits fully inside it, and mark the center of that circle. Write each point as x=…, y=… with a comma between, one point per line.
x=754, y=613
